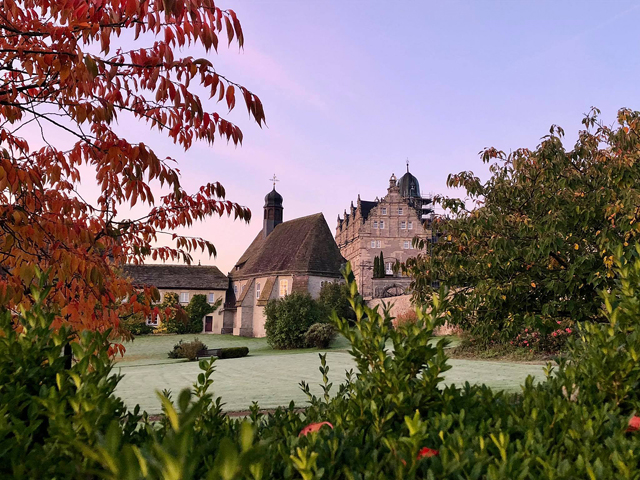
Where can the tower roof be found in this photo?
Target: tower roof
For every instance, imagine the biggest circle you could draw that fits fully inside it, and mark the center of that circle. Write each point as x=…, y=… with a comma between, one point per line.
x=409, y=185
x=273, y=199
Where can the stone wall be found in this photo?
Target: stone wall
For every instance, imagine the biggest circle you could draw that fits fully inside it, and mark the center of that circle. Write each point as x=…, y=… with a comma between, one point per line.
x=401, y=304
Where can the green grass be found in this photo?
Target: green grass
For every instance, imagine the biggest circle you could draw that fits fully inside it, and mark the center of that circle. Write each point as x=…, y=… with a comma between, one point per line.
x=268, y=376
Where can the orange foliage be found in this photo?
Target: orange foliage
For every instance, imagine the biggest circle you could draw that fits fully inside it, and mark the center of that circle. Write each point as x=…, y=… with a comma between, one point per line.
x=60, y=70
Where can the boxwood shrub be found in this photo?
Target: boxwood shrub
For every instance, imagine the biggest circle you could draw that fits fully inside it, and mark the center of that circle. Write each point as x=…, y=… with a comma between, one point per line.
x=233, y=352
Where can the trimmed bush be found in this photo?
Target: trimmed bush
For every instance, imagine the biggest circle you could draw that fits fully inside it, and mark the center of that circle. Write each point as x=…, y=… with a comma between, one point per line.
x=289, y=318
x=188, y=350
x=320, y=335
x=139, y=327
x=233, y=352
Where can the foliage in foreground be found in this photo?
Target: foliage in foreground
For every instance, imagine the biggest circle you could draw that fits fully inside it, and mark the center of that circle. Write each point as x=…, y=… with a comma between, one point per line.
x=536, y=245
x=392, y=418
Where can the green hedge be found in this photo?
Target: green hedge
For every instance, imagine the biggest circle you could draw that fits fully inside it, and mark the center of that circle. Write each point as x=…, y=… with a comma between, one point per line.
x=233, y=352
x=392, y=417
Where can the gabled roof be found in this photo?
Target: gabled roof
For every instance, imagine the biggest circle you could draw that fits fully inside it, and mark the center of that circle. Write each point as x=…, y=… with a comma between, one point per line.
x=187, y=277
x=301, y=246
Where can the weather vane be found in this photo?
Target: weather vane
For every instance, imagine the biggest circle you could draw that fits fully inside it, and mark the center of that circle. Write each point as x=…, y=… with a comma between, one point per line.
x=274, y=180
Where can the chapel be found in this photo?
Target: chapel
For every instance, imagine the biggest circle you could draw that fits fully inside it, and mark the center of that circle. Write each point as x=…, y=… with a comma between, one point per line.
x=298, y=255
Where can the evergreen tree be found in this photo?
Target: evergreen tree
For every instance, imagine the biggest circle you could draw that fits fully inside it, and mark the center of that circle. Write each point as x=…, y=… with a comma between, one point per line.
x=376, y=267
x=382, y=270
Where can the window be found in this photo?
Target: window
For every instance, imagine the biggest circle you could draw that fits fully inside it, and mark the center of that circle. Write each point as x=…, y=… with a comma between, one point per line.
x=184, y=297
x=389, y=268
x=284, y=288
x=212, y=298
x=373, y=244
x=377, y=243
x=406, y=244
x=381, y=223
x=410, y=225
x=152, y=320
x=384, y=210
x=400, y=210
x=235, y=290
x=403, y=225
x=258, y=290
x=375, y=224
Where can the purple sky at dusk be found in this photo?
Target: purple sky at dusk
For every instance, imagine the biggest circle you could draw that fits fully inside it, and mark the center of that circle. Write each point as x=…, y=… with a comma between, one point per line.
x=353, y=88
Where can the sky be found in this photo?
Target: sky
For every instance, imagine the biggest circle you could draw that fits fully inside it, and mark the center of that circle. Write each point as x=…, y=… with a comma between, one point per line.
x=351, y=89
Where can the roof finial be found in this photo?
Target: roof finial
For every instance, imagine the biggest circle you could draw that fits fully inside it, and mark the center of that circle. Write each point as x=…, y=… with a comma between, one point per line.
x=199, y=263
x=274, y=180
x=407, y=164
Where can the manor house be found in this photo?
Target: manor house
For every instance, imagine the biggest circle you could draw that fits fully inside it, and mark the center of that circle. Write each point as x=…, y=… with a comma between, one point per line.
x=385, y=226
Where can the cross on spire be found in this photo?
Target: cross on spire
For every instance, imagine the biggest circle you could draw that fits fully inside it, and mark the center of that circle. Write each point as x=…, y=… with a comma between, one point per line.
x=274, y=180
x=407, y=164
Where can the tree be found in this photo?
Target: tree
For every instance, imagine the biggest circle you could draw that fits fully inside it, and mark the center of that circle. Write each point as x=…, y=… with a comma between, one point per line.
x=174, y=317
x=64, y=70
x=382, y=272
x=376, y=267
x=536, y=245
x=334, y=296
x=289, y=318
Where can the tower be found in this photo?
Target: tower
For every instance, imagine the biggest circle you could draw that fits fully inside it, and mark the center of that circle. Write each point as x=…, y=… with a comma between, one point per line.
x=272, y=210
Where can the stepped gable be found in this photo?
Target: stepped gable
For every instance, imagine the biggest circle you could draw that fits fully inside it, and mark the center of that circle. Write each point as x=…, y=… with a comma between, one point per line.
x=188, y=277
x=365, y=207
x=304, y=245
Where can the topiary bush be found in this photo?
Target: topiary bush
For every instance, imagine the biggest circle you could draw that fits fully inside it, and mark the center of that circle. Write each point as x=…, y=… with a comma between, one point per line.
x=289, y=318
x=320, y=335
x=188, y=350
x=233, y=352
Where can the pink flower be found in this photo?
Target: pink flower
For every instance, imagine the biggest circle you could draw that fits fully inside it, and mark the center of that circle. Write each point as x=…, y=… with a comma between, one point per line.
x=634, y=424
x=554, y=334
x=526, y=329
x=568, y=330
x=558, y=322
x=313, y=427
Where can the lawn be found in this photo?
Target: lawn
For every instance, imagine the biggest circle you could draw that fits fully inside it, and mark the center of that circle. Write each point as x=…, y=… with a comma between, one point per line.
x=269, y=377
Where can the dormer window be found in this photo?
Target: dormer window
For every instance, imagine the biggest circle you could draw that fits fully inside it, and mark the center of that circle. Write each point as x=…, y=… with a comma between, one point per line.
x=384, y=210
x=375, y=224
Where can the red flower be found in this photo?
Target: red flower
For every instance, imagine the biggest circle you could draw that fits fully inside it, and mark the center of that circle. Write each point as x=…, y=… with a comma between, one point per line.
x=427, y=452
x=568, y=330
x=634, y=424
x=313, y=427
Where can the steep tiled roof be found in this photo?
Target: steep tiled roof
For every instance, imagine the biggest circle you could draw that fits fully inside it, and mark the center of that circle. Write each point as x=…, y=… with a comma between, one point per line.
x=365, y=207
x=189, y=277
x=301, y=246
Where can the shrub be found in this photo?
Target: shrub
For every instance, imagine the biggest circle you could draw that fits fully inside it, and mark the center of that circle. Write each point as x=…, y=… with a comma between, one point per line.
x=188, y=350
x=196, y=310
x=408, y=317
x=289, y=318
x=320, y=335
x=334, y=297
x=174, y=318
x=233, y=352
x=138, y=327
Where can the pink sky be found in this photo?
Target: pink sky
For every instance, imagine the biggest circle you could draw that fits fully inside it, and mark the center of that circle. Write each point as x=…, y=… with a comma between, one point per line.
x=351, y=89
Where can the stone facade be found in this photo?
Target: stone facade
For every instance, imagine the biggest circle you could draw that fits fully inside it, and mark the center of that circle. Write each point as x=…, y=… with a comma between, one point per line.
x=185, y=281
x=388, y=226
